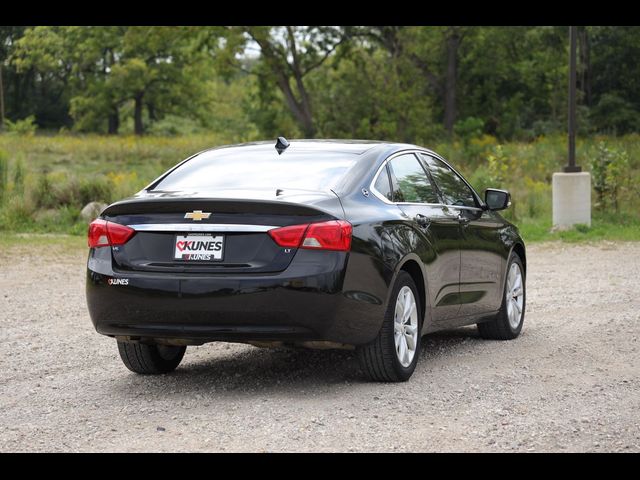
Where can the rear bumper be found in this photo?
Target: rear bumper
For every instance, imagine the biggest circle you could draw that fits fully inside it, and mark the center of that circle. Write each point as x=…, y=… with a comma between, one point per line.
x=305, y=302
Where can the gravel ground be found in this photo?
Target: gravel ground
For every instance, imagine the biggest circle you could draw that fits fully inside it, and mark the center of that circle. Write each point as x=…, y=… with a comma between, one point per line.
x=570, y=382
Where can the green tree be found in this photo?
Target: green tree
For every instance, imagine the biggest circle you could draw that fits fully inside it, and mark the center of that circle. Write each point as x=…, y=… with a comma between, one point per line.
x=288, y=55
x=106, y=68
x=30, y=92
x=615, y=78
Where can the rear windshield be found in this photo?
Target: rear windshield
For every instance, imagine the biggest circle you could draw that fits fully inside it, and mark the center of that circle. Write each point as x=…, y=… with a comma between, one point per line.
x=248, y=168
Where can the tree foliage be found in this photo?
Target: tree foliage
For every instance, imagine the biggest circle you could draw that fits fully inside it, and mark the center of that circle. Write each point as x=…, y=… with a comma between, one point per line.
x=411, y=84
x=139, y=70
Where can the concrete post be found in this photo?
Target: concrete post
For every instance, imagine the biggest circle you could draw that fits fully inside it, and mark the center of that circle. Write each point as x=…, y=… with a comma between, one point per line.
x=571, y=199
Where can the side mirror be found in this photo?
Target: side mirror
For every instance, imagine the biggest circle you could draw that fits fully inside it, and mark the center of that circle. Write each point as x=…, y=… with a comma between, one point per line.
x=497, y=199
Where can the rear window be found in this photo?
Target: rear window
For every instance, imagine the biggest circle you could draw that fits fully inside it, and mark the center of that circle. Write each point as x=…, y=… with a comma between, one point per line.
x=251, y=168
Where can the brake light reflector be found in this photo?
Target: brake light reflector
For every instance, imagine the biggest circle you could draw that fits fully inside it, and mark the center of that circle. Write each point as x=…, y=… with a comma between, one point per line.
x=331, y=235
x=288, y=236
x=103, y=234
x=98, y=233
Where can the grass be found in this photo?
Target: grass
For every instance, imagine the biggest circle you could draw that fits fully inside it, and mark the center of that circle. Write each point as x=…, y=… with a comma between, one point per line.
x=46, y=180
x=614, y=228
x=60, y=241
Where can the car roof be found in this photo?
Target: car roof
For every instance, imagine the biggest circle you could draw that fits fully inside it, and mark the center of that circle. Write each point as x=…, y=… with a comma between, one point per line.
x=355, y=147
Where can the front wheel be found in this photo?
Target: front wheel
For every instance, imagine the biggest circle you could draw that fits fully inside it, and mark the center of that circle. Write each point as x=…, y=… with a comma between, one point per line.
x=150, y=359
x=508, y=323
x=393, y=355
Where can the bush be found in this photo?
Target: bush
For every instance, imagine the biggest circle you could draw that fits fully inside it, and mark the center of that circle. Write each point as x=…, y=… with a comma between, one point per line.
x=610, y=172
x=17, y=214
x=94, y=190
x=43, y=193
x=53, y=191
x=499, y=166
x=25, y=127
x=470, y=127
x=615, y=115
x=481, y=179
x=469, y=131
x=18, y=179
x=538, y=198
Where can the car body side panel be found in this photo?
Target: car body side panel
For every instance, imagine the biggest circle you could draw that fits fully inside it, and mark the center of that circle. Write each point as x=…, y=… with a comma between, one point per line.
x=438, y=246
x=483, y=260
x=389, y=238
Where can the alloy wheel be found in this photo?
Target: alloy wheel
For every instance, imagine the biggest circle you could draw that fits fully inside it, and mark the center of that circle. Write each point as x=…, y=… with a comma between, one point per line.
x=405, y=326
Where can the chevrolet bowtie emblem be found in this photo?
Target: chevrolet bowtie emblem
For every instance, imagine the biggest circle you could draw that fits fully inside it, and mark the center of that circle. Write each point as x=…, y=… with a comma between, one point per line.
x=197, y=215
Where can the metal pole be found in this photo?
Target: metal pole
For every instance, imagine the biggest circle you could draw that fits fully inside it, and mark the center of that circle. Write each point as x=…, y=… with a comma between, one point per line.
x=571, y=166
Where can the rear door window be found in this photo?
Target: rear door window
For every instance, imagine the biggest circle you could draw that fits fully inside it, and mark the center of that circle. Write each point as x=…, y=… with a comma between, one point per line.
x=410, y=182
x=453, y=188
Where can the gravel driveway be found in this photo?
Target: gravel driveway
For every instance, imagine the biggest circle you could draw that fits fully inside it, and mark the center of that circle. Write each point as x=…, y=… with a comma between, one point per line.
x=570, y=382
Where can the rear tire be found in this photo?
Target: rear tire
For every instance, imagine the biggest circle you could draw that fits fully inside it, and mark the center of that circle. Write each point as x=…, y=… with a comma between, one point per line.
x=381, y=359
x=507, y=325
x=150, y=359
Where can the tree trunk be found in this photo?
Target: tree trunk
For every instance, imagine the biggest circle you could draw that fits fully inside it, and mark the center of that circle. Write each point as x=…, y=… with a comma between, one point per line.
x=307, y=116
x=453, y=42
x=302, y=115
x=114, y=121
x=308, y=127
x=282, y=70
x=138, y=127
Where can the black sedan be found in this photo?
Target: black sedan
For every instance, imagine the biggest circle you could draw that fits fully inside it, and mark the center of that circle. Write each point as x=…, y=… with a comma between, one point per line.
x=321, y=244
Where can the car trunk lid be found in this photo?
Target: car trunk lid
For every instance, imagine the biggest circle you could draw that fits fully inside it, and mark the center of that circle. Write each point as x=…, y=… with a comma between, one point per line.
x=222, y=234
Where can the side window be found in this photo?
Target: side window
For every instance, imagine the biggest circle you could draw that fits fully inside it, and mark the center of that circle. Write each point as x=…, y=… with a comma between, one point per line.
x=383, y=185
x=410, y=182
x=453, y=188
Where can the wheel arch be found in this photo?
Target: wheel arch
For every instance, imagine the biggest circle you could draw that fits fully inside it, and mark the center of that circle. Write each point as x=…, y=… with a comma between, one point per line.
x=412, y=264
x=518, y=248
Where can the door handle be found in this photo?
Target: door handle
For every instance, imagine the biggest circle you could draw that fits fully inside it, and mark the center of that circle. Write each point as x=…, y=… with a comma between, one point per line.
x=463, y=220
x=423, y=221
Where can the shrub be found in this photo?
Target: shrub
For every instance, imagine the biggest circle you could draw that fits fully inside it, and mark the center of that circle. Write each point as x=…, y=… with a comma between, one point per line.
x=610, y=172
x=538, y=198
x=481, y=179
x=96, y=189
x=499, y=166
x=469, y=131
x=18, y=179
x=17, y=214
x=55, y=190
x=25, y=127
x=470, y=127
x=613, y=114
x=43, y=193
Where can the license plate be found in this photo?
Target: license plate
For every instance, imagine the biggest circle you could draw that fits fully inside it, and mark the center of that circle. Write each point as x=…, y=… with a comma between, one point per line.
x=195, y=247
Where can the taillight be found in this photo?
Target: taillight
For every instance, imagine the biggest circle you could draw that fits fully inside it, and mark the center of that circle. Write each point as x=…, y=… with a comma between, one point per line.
x=103, y=233
x=332, y=235
x=288, y=236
